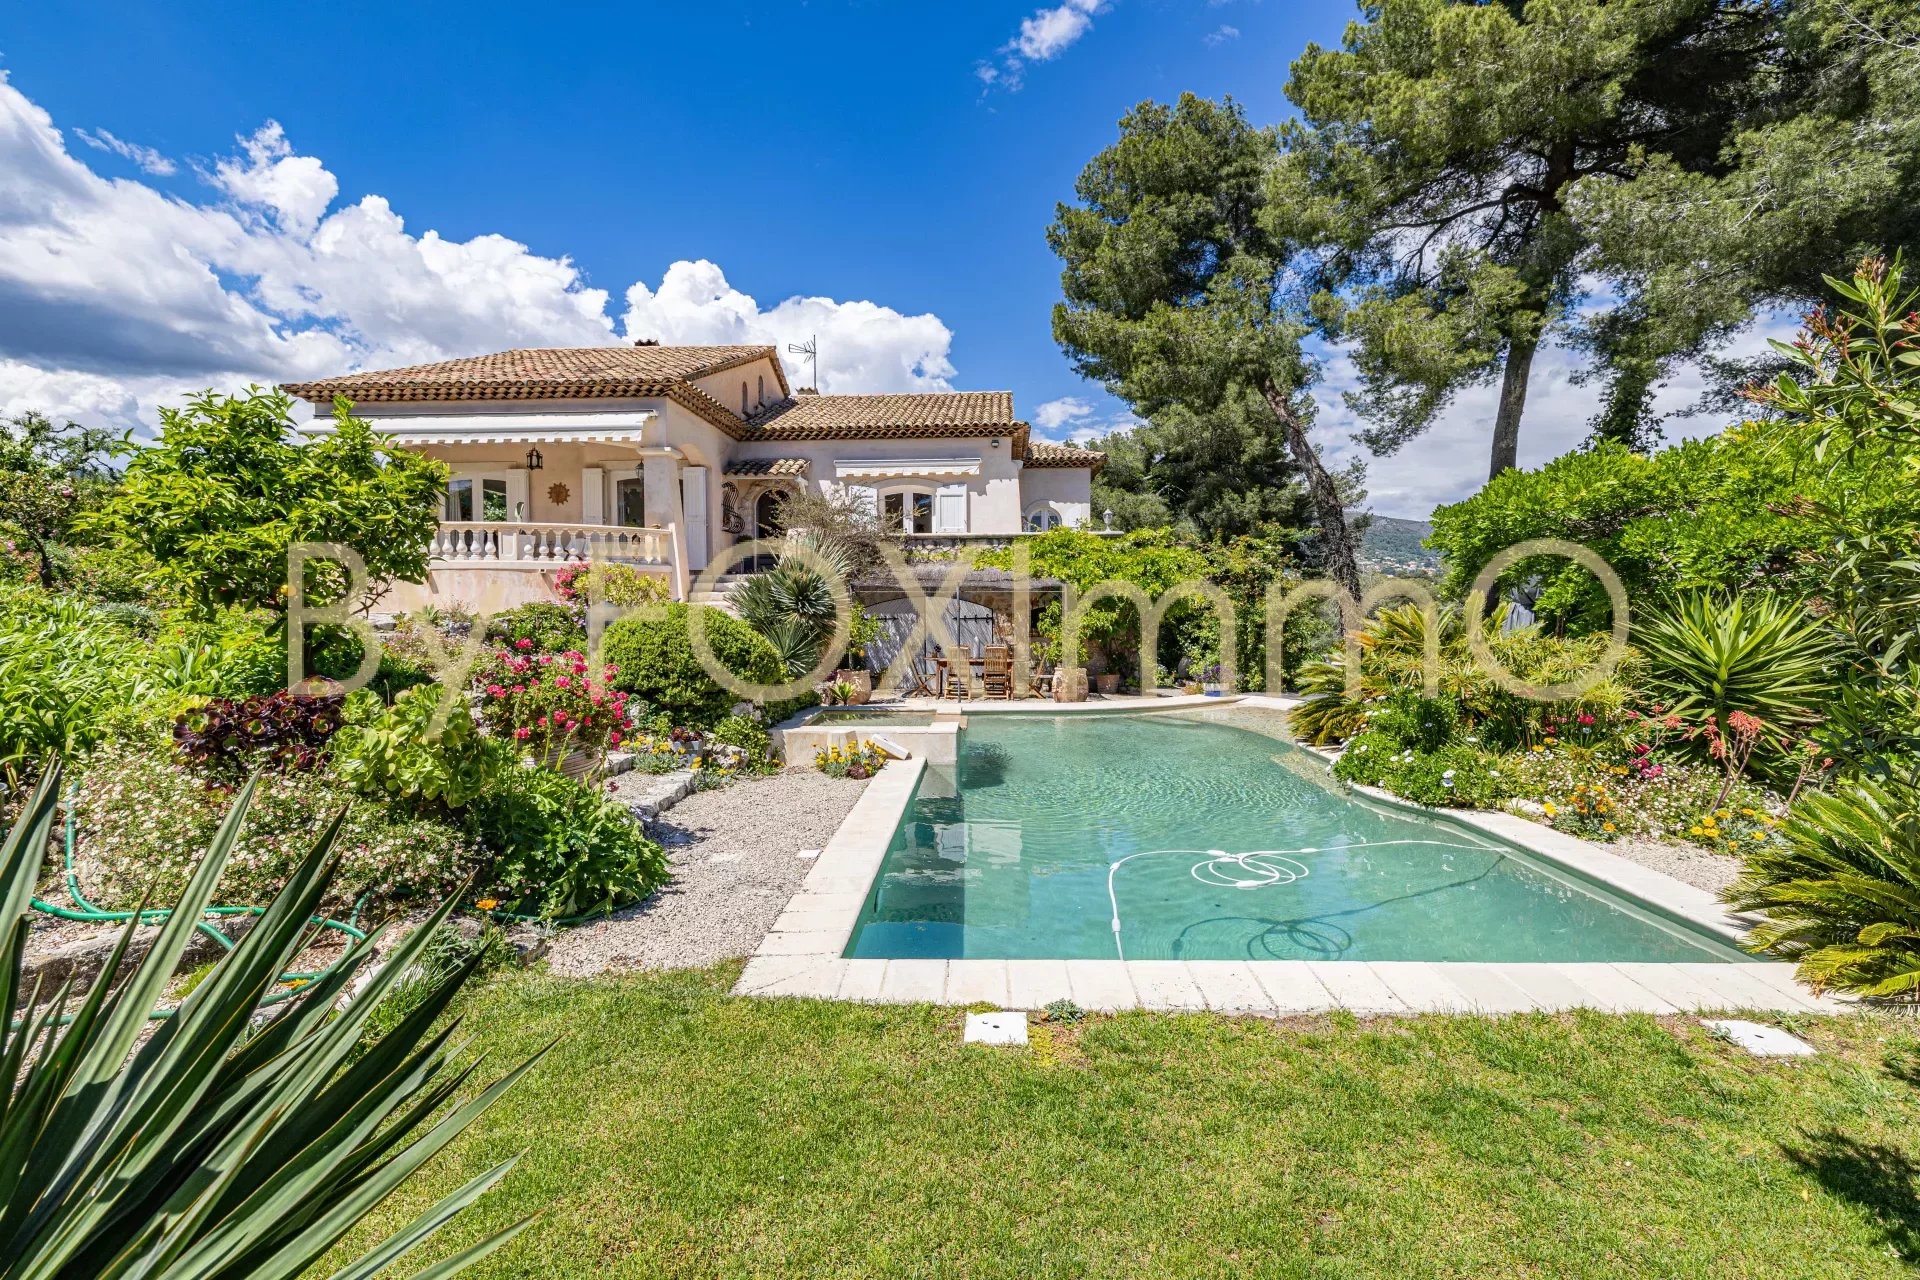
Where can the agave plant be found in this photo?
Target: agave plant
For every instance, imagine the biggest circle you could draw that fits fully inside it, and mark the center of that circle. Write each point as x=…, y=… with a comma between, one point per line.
x=792, y=604
x=224, y=1144
x=1841, y=894
x=1710, y=656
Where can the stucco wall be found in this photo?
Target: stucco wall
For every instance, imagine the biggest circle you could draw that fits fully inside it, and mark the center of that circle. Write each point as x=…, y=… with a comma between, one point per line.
x=993, y=496
x=1066, y=489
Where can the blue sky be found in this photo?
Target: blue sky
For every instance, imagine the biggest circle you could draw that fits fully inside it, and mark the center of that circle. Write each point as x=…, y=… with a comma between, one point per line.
x=445, y=179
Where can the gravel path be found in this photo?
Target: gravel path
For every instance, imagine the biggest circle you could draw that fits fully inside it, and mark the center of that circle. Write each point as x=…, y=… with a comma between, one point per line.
x=735, y=859
x=1700, y=868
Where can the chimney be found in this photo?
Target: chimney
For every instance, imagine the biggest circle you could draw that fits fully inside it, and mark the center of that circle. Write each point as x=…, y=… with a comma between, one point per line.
x=646, y=342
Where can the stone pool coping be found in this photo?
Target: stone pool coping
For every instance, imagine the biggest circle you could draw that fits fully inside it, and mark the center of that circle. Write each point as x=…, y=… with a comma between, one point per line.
x=801, y=956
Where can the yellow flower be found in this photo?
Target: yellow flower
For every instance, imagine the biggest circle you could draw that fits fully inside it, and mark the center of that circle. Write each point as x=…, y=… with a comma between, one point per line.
x=1733, y=846
x=1548, y=806
x=1619, y=771
x=1696, y=831
x=1721, y=813
x=1606, y=826
x=487, y=904
x=1748, y=812
x=1538, y=747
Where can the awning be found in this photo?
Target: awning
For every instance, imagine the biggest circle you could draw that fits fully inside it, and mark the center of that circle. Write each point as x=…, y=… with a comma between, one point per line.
x=886, y=468
x=503, y=428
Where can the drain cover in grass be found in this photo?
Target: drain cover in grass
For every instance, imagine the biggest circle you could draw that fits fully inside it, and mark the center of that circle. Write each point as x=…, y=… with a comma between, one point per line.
x=1759, y=1039
x=997, y=1028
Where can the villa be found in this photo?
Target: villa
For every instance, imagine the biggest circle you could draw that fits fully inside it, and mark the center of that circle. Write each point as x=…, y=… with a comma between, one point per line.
x=665, y=457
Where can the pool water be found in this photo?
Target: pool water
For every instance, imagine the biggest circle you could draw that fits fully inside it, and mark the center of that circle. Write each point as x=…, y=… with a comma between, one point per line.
x=1207, y=841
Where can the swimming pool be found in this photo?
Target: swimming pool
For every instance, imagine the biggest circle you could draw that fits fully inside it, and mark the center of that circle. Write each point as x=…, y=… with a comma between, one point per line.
x=1159, y=836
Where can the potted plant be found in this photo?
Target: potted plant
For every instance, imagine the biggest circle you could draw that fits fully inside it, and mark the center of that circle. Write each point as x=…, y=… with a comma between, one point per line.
x=863, y=631
x=1070, y=684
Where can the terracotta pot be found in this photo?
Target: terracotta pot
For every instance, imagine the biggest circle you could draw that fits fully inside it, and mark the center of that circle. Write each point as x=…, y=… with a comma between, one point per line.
x=1070, y=684
x=1107, y=682
x=862, y=681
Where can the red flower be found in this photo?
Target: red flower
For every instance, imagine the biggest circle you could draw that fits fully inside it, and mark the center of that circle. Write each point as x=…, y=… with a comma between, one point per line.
x=562, y=681
x=522, y=732
x=614, y=738
x=523, y=644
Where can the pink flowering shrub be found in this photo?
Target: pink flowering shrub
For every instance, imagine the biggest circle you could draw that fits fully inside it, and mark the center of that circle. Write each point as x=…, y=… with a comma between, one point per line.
x=548, y=704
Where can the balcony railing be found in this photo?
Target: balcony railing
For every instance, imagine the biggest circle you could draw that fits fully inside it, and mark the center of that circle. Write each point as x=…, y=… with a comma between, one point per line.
x=519, y=545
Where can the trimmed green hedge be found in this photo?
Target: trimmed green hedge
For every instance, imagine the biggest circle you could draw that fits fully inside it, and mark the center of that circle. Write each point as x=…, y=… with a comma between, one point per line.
x=655, y=662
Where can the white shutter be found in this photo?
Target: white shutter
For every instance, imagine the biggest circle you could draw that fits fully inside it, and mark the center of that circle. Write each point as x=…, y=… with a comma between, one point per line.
x=950, y=509
x=593, y=496
x=693, y=502
x=864, y=496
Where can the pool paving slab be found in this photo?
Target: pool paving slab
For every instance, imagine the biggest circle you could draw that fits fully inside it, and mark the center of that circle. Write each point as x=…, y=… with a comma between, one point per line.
x=802, y=955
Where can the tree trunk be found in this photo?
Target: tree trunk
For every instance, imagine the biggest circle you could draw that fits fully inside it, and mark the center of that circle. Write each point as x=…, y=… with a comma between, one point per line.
x=1343, y=566
x=1513, y=401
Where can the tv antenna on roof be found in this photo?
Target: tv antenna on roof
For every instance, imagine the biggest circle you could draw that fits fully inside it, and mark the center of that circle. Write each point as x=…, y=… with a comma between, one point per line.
x=811, y=350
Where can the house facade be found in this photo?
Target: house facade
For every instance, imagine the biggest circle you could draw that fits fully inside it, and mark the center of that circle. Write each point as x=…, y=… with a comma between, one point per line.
x=666, y=457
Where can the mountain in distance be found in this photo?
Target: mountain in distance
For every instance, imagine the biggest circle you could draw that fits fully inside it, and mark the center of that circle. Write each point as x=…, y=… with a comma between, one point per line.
x=1392, y=545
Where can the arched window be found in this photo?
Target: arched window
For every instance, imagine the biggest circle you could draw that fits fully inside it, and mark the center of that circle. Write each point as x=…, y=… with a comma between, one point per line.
x=761, y=398
x=743, y=397
x=1042, y=517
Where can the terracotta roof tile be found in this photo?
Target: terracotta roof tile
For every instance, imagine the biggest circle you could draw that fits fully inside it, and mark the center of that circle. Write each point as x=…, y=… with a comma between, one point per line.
x=767, y=467
x=531, y=373
x=885, y=417
x=1043, y=453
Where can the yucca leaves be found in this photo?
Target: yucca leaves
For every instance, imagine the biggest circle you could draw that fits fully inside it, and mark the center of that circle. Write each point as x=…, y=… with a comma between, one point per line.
x=1710, y=656
x=1842, y=893
x=217, y=1148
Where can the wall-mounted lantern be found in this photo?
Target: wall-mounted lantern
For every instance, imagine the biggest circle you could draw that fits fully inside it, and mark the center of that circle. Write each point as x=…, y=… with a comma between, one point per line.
x=534, y=460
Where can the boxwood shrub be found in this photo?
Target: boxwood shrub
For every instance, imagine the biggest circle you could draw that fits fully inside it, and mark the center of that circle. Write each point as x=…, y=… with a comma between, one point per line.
x=655, y=661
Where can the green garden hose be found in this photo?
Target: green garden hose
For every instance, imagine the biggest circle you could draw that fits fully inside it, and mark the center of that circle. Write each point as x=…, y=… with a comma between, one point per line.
x=86, y=911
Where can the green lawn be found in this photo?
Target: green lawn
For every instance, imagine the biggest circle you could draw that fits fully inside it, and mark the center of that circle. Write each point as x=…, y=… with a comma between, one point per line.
x=677, y=1131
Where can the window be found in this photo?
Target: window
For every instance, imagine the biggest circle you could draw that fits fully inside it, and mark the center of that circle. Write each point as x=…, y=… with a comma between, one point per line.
x=743, y=397
x=908, y=510
x=490, y=493
x=1042, y=518
x=761, y=397
x=630, y=503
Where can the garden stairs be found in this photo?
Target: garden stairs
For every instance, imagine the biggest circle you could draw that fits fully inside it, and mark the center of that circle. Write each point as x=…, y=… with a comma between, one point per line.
x=717, y=594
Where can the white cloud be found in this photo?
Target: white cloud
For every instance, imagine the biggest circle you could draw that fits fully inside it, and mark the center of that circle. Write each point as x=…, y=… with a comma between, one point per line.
x=116, y=298
x=863, y=346
x=1043, y=36
x=1220, y=35
x=146, y=158
x=1054, y=414
x=296, y=190
x=1449, y=461
x=1050, y=32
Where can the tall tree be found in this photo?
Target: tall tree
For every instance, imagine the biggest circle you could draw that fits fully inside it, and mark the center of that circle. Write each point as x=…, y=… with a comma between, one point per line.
x=229, y=487
x=1217, y=471
x=1177, y=299
x=1471, y=171
x=49, y=477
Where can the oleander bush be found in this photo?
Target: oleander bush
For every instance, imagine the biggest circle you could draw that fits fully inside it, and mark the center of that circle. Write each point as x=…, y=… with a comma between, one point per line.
x=654, y=660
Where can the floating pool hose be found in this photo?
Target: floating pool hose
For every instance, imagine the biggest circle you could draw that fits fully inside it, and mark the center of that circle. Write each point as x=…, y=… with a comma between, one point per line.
x=83, y=910
x=1256, y=869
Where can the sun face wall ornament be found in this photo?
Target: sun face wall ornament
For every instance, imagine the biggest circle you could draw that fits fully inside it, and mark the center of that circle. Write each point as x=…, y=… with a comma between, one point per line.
x=557, y=494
